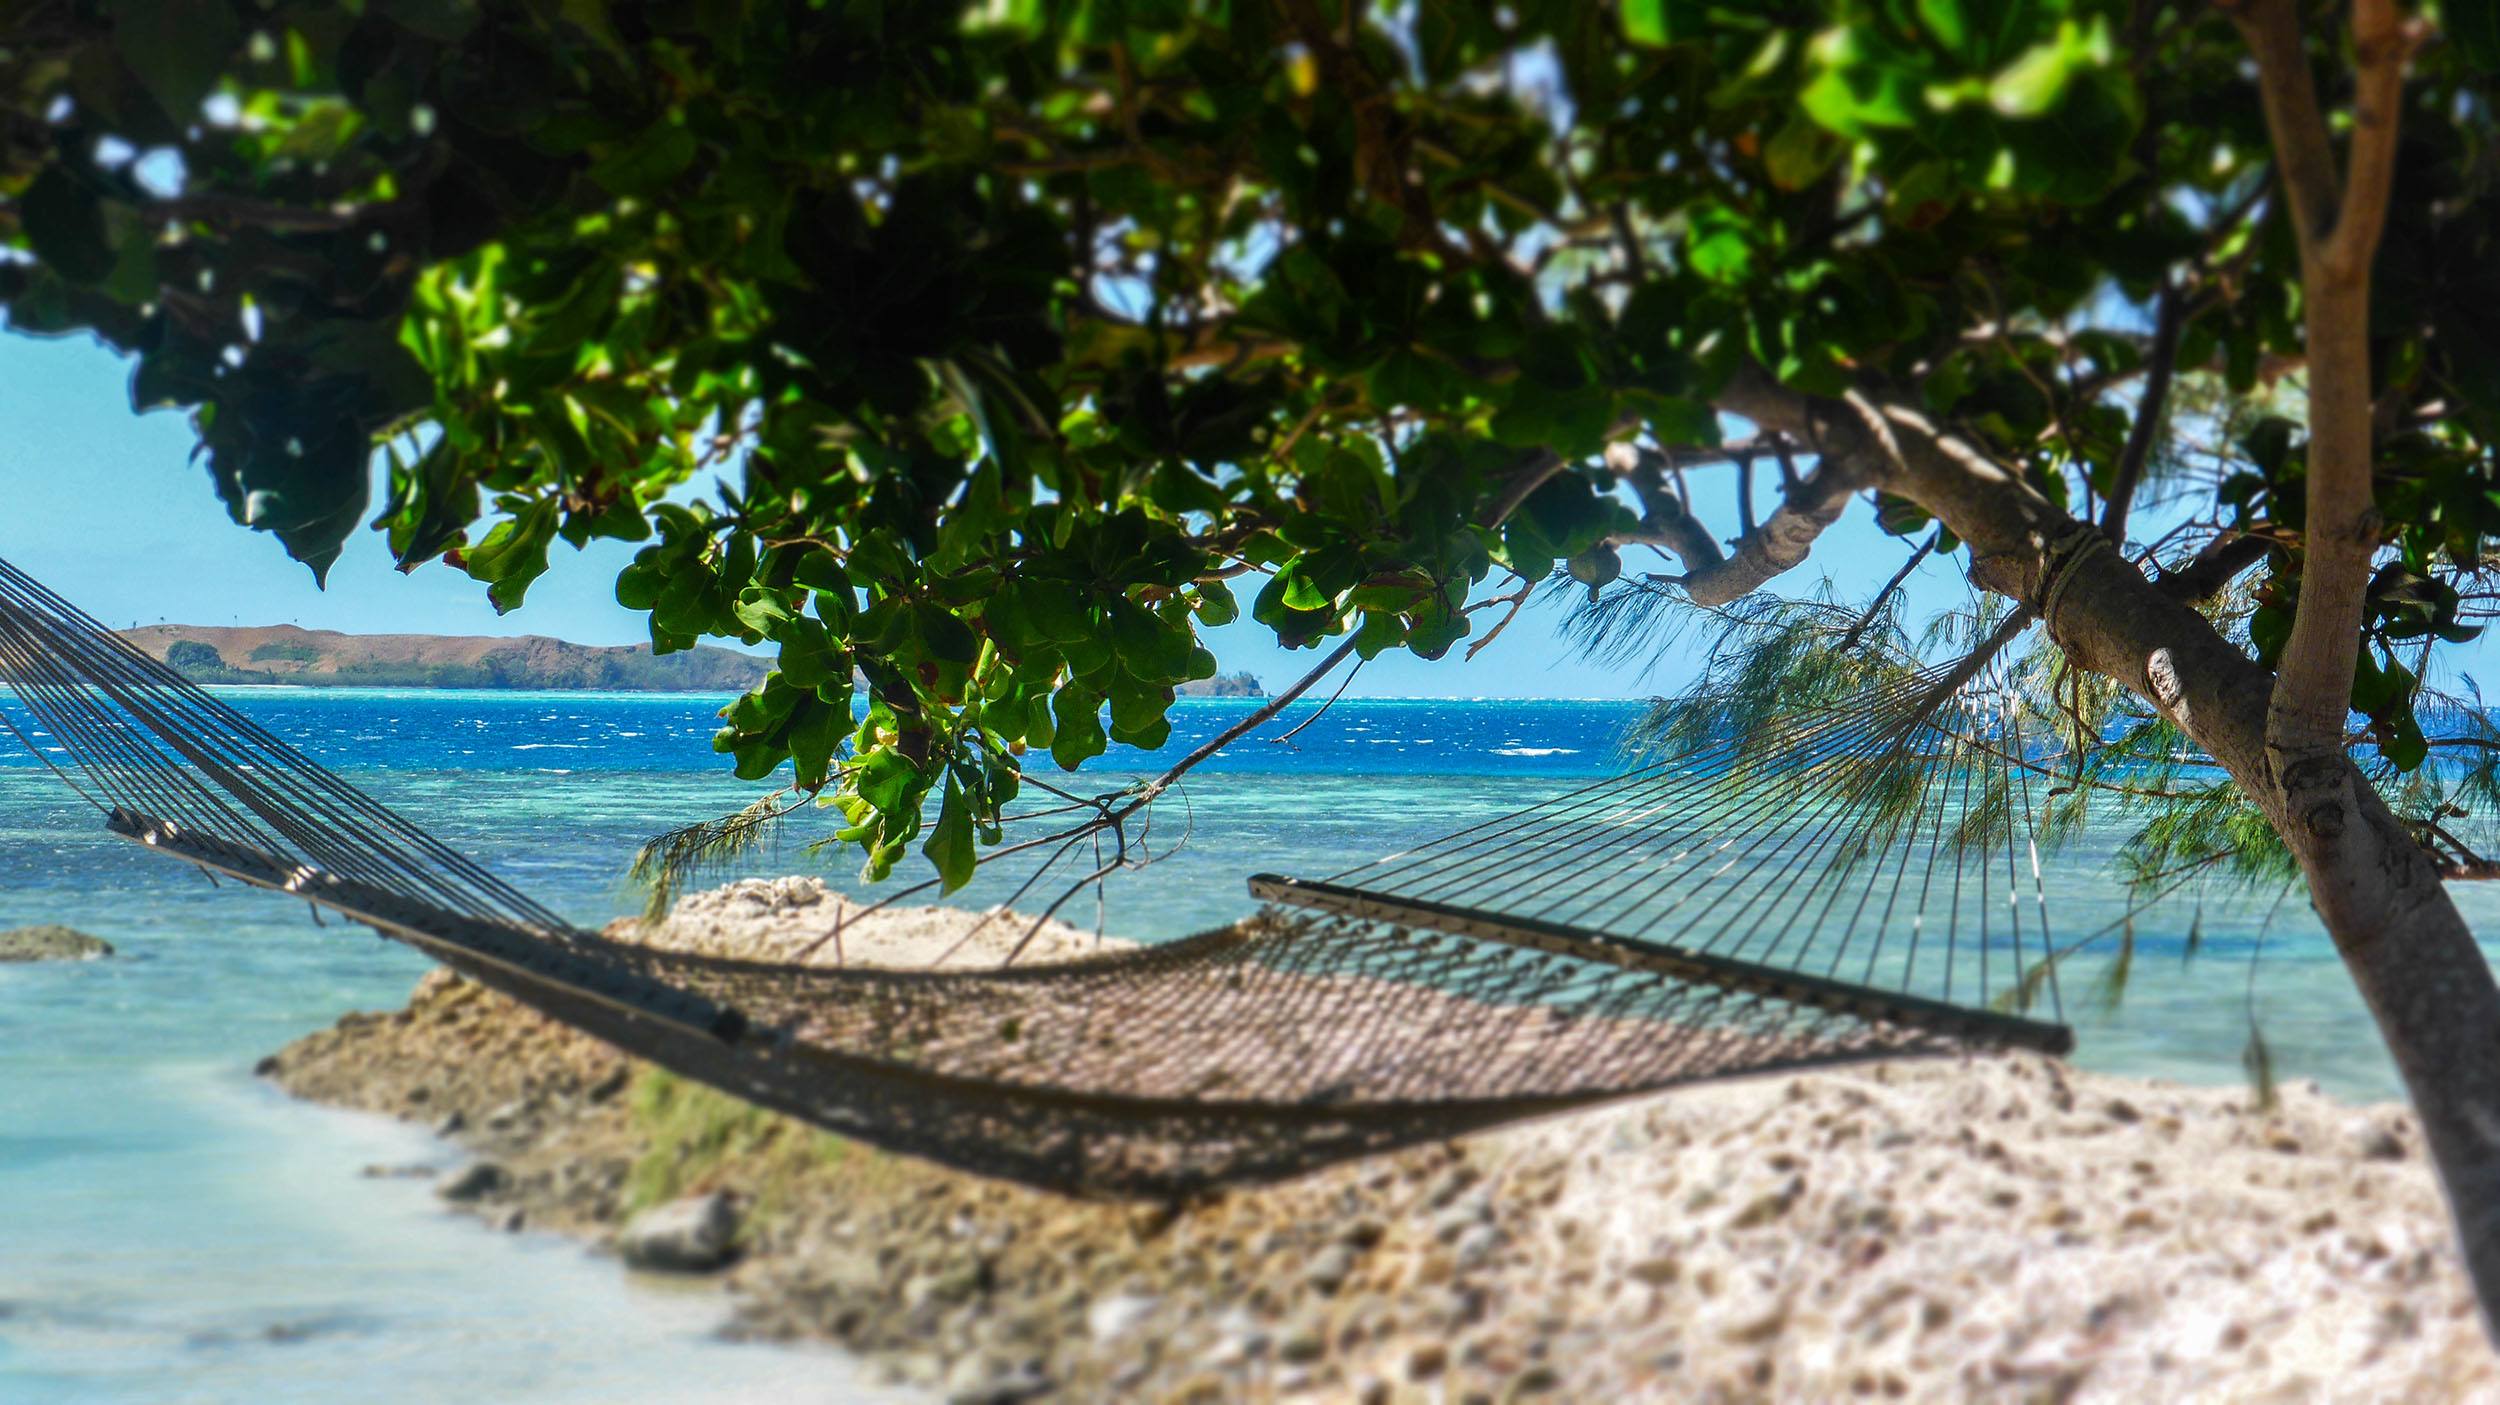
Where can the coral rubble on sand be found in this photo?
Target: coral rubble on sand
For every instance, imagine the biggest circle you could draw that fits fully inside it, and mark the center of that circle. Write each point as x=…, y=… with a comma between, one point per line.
x=1989, y=1229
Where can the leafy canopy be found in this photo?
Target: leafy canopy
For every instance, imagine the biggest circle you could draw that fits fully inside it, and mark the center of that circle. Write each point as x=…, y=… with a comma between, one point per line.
x=1028, y=338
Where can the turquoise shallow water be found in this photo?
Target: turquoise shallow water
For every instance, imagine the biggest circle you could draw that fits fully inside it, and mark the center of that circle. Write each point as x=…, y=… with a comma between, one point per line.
x=171, y=1230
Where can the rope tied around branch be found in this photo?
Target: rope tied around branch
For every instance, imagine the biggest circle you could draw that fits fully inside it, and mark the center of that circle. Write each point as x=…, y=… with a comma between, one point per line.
x=2064, y=562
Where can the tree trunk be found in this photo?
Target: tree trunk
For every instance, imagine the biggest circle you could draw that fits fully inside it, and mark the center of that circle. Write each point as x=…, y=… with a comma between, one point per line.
x=2431, y=991
x=2379, y=894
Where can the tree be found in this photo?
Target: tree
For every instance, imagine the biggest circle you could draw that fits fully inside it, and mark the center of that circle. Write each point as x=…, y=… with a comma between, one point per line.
x=194, y=659
x=1035, y=327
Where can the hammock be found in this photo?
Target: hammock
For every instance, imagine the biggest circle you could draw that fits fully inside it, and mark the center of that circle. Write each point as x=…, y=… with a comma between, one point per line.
x=1845, y=883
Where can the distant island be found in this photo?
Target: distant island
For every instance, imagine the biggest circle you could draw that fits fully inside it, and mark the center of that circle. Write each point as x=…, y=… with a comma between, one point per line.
x=324, y=658
x=1225, y=685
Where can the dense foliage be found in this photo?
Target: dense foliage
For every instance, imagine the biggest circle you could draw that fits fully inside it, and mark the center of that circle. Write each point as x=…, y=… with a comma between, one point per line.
x=1034, y=337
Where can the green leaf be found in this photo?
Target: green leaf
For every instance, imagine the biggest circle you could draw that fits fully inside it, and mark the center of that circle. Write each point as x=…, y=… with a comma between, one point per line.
x=2405, y=747
x=886, y=780
x=1721, y=246
x=1797, y=156
x=1077, y=738
x=950, y=844
x=816, y=729
x=809, y=656
x=2032, y=84
x=1857, y=95
x=514, y=553
x=1061, y=615
x=1411, y=378
x=64, y=220
x=944, y=636
x=1216, y=605
x=648, y=162
x=1382, y=631
x=1434, y=627
x=309, y=489
x=764, y=610
x=1148, y=648
x=1946, y=21
x=1301, y=592
x=1645, y=22
x=177, y=48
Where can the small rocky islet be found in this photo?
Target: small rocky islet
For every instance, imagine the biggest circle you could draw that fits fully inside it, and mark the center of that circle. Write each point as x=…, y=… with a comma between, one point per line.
x=1985, y=1229
x=51, y=942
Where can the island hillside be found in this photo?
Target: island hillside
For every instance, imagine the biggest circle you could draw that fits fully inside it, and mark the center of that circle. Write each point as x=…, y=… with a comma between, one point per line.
x=284, y=653
x=326, y=658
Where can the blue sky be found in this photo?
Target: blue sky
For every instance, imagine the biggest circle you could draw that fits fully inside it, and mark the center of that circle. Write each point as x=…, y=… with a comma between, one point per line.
x=108, y=508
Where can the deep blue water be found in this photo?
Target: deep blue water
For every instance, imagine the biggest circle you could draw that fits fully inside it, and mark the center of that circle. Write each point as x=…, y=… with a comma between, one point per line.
x=170, y=1230
x=407, y=730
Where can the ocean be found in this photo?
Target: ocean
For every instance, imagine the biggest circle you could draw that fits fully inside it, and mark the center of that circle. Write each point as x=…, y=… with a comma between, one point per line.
x=172, y=1230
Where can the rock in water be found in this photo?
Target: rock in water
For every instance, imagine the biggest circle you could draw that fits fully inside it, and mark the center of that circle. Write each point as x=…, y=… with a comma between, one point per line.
x=51, y=943
x=475, y=1181
x=693, y=1235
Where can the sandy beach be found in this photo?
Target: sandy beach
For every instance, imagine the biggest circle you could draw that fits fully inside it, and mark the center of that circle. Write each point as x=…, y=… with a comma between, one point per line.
x=1990, y=1229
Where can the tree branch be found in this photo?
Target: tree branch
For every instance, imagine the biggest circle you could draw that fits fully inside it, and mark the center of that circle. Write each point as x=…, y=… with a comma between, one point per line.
x=1145, y=795
x=1850, y=639
x=1664, y=521
x=2168, y=321
x=2213, y=568
x=2339, y=233
x=2383, y=43
x=1785, y=538
x=1541, y=465
x=2303, y=151
x=1813, y=501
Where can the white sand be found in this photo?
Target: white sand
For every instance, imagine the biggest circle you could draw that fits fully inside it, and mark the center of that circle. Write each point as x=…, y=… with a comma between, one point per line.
x=801, y=920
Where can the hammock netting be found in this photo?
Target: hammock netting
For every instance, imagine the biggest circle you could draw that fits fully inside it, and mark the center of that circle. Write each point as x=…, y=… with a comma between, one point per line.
x=1841, y=883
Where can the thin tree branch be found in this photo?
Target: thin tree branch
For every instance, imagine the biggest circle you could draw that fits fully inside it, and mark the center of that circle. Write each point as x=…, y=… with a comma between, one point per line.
x=2383, y=43
x=2168, y=321
x=1849, y=640
x=2213, y=568
x=2303, y=151
x=1541, y=465
x=1145, y=795
x=1299, y=727
x=1516, y=599
x=2339, y=231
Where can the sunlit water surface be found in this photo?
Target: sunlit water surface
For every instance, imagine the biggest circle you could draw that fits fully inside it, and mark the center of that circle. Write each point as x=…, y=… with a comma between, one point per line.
x=171, y=1230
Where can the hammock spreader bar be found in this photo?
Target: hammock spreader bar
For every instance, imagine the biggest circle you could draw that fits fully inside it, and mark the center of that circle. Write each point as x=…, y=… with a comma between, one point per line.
x=1979, y=1028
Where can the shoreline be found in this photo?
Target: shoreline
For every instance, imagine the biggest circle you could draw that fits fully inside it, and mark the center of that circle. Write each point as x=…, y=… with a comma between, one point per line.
x=1999, y=1228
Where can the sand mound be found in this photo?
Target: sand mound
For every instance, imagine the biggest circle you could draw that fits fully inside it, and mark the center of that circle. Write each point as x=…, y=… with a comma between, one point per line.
x=801, y=920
